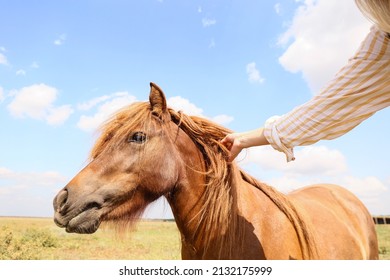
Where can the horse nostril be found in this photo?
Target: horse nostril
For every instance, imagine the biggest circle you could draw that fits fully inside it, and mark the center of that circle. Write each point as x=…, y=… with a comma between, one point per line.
x=61, y=200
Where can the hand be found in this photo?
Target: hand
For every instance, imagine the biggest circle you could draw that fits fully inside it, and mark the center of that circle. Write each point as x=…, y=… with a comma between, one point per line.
x=235, y=142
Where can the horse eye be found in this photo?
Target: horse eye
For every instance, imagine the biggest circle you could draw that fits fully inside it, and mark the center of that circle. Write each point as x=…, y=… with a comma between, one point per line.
x=138, y=137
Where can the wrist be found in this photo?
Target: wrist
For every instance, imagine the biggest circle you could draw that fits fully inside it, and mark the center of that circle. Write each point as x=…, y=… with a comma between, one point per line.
x=253, y=138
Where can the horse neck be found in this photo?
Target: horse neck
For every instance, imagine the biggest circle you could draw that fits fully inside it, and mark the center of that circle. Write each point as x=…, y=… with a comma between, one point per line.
x=206, y=217
x=216, y=231
x=190, y=186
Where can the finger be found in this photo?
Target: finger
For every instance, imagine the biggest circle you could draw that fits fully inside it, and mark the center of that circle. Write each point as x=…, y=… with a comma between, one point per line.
x=234, y=152
x=227, y=143
x=226, y=139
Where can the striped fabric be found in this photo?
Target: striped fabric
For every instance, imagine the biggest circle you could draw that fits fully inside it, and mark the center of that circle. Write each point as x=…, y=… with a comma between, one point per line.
x=357, y=91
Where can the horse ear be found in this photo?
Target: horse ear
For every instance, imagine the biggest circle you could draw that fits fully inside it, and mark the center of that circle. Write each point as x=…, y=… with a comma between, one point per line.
x=157, y=101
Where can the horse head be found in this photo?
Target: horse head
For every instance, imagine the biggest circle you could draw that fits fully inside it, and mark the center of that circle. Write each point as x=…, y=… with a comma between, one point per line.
x=134, y=162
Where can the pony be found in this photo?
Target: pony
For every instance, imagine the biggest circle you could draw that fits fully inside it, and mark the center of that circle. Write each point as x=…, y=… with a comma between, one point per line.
x=148, y=150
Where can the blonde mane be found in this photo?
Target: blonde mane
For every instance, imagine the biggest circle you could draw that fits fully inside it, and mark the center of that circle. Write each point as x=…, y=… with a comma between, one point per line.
x=218, y=223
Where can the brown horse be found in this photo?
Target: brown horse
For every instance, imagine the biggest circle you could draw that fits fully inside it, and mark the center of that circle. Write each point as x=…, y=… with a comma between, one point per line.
x=148, y=150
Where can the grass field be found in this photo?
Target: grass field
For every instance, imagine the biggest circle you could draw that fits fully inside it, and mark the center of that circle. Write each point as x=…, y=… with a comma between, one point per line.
x=39, y=238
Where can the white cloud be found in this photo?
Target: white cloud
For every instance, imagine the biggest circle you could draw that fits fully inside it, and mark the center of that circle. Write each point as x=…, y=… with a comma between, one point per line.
x=310, y=161
x=28, y=193
x=59, y=115
x=60, y=40
x=37, y=102
x=30, y=179
x=253, y=73
x=4, y=172
x=222, y=119
x=92, y=103
x=3, y=59
x=212, y=43
x=32, y=101
x=206, y=22
x=106, y=105
x=1, y=94
x=277, y=8
x=369, y=186
x=112, y=103
x=318, y=160
x=323, y=35
x=34, y=65
x=368, y=189
x=288, y=183
x=20, y=72
x=179, y=103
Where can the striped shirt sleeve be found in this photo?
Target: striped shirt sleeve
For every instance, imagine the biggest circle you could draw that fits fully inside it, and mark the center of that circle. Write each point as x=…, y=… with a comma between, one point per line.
x=357, y=91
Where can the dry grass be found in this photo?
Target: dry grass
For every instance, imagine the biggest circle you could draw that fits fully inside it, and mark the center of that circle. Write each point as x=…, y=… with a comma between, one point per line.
x=39, y=238
x=383, y=232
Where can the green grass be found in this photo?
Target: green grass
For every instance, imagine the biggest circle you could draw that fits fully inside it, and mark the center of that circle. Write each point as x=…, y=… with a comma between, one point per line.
x=40, y=238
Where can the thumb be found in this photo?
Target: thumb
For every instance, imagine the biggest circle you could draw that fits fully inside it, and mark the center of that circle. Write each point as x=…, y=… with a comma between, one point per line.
x=227, y=142
x=234, y=151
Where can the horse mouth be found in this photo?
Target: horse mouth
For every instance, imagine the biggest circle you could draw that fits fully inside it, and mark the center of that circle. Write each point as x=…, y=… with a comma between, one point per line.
x=86, y=221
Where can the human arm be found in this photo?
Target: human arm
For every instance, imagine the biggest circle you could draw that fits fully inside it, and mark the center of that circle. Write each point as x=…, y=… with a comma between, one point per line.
x=357, y=91
x=236, y=142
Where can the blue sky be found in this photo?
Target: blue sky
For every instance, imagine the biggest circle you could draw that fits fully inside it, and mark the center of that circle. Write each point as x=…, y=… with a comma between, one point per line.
x=65, y=66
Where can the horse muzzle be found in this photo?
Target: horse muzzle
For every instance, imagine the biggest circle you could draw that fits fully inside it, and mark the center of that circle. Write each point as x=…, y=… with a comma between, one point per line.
x=81, y=216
